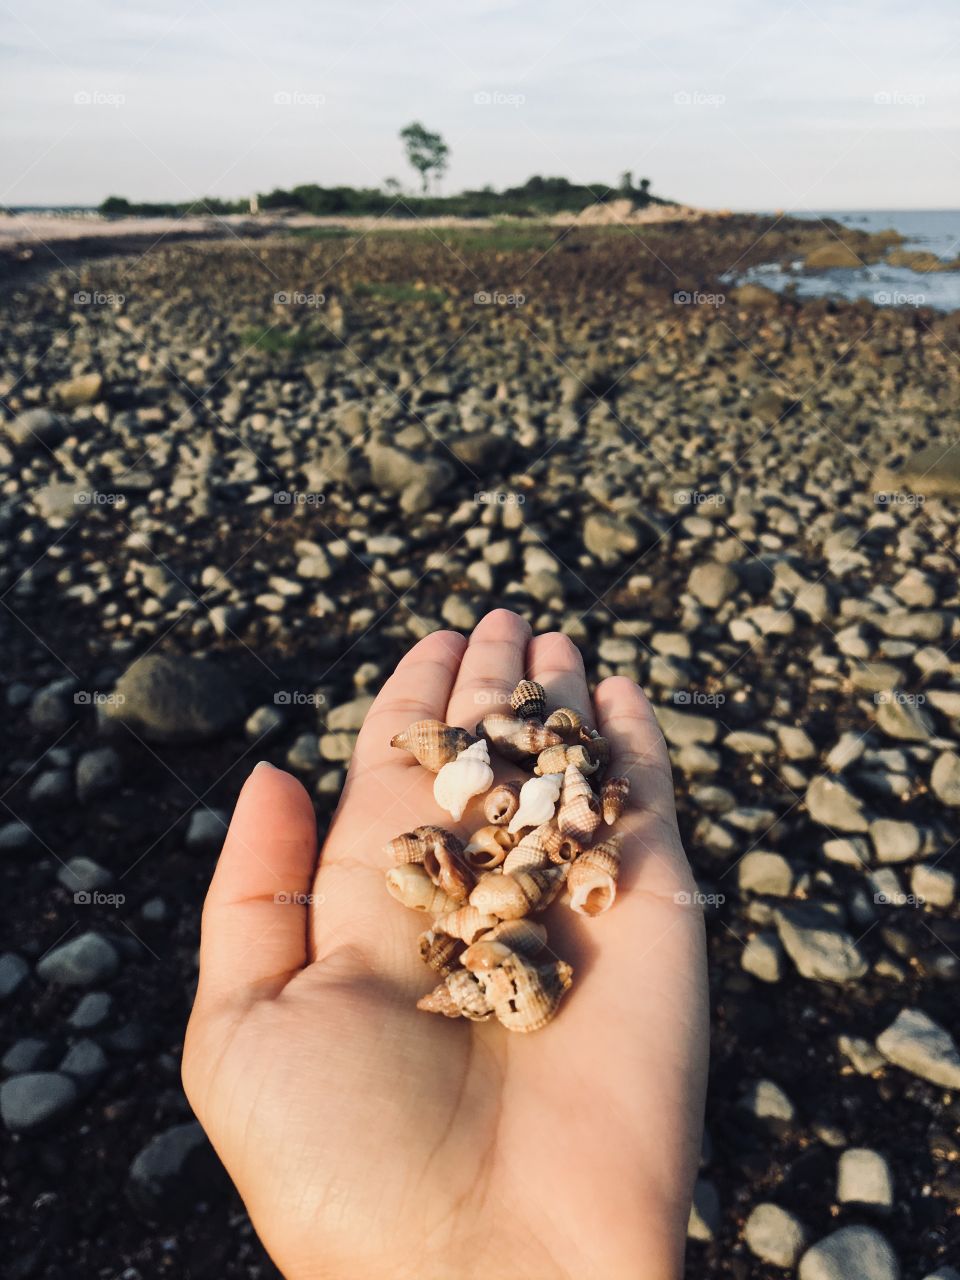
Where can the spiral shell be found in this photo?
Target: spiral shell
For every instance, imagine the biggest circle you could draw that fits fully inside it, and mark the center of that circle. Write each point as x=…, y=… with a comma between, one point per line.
x=524, y=937
x=516, y=740
x=488, y=847
x=598, y=747
x=592, y=880
x=556, y=759
x=444, y=863
x=532, y=851
x=524, y=996
x=613, y=798
x=559, y=846
x=465, y=923
x=538, y=800
x=432, y=742
x=439, y=951
x=462, y=778
x=460, y=995
x=411, y=885
x=510, y=896
x=412, y=846
x=500, y=803
x=529, y=700
x=566, y=722
x=578, y=814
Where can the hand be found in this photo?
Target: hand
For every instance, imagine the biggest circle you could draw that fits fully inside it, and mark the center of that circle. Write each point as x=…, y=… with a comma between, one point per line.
x=372, y=1141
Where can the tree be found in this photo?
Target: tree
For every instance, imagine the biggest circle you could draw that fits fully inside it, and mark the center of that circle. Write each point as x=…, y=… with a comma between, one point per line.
x=626, y=181
x=392, y=186
x=644, y=190
x=426, y=151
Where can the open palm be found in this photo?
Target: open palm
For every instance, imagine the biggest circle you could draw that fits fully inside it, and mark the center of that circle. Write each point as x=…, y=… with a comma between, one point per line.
x=370, y=1140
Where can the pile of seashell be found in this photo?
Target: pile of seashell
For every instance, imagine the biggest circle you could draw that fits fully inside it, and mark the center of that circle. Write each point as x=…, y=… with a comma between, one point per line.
x=539, y=839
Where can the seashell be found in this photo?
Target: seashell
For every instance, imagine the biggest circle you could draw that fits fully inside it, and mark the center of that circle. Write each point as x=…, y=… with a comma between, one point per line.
x=432, y=742
x=538, y=800
x=529, y=700
x=560, y=847
x=592, y=880
x=411, y=885
x=516, y=740
x=488, y=847
x=578, y=814
x=507, y=897
x=532, y=851
x=598, y=747
x=524, y=996
x=411, y=846
x=613, y=798
x=460, y=995
x=462, y=778
x=439, y=951
x=465, y=923
x=501, y=802
x=444, y=863
x=566, y=722
x=522, y=937
x=556, y=759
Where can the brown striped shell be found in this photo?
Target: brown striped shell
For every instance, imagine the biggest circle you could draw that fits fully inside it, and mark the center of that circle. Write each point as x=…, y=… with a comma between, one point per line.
x=507, y=897
x=412, y=846
x=566, y=722
x=613, y=798
x=465, y=923
x=525, y=996
x=578, y=813
x=555, y=759
x=598, y=747
x=439, y=951
x=532, y=851
x=501, y=801
x=432, y=742
x=411, y=885
x=516, y=740
x=523, y=937
x=460, y=995
x=592, y=880
x=529, y=700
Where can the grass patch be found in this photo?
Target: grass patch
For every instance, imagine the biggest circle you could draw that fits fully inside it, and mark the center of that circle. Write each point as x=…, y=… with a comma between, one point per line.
x=280, y=341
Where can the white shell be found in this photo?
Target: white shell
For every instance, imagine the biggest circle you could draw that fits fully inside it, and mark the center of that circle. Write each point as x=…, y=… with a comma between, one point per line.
x=538, y=799
x=462, y=778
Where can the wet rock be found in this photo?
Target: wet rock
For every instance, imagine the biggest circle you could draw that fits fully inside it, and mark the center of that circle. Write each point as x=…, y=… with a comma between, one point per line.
x=85, y=1062
x=91, y=1011
x=36, y=1100
x=176, y=699
x=916, y=1043
x=81, y=962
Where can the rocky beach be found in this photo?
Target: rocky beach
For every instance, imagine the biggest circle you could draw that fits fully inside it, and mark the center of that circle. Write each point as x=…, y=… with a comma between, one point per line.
x=240, y=477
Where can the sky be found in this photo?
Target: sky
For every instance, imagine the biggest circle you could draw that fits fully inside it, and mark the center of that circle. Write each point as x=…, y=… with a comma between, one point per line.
x=740, y=104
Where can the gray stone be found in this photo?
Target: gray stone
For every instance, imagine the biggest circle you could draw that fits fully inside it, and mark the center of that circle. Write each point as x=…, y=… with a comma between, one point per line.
x=848, y=748
x=13, y=974
x=945, y=779
x=818, y=947
x=861, y=1054
x=763, y=957
x=172, y=1172
x=176, y=699
x=85, y=1062
x=98, y=771
x=26, y=1055
x=712, y=583
x=895, y=841
x=916, y=1043
x=834, y=805
x=36, y=428
x=765, y=1100
x=898, y=716
x=81, y=962
x=35, y=1100
x=265, y=723
x=206, y=829
x=852, y=1253
x=91, y=1011
x=608, y=538
x=795, y=743
x=774, y=1235
x=304, y=754
x=15, y=835
x=83, y=875
x=933, y=884
x=864, y=1178
x=681, y=729
x=765, y=873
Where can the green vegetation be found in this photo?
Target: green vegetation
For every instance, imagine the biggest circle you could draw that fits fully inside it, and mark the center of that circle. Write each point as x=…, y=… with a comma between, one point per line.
x=281, y=341
x=426, y=151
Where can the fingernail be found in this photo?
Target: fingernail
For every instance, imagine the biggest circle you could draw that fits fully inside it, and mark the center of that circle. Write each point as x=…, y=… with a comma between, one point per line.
x=262, y=764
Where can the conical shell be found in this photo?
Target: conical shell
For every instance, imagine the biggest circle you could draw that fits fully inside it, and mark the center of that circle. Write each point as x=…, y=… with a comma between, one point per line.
x=556, y=759
x=529, y=700
x=463, y=778
x=501, y=801
x=465, y=923
x=516, y=740
x=459, y=995
x=524, y=996
x=578, y=814
x=613, y=798
x=412, y=846
x=439, y=951
x=598, y=747
x=538, y=800
x=446, y=866
x=532, y=851
x=488, y=847
x=432, y=742
x=566, y=722
x=523, y=937
x=411, y=885
x=508, y=897
x=592, y=880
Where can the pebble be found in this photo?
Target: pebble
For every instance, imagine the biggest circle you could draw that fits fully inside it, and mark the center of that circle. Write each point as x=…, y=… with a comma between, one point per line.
x=916, y=1043
x=98, y=772
x=933, y=884
x=818, y=947
x=712, y=583
x=945, y=779
x=83, y=875
x=264, y=724
x=765, y=873
x=895, y=841
x=91, y=1011
x=861, y=1054
x=704, y=1220
x=176, y=699
x=795, y=743
x=852, y=1253
x=85, y=1062
x=14, y=972
x=834, y=805
x=763, y=957
x=864, y=1178
x=26, y=1055
x=765, y=1100
x=81, y=962
x=35, y=1100
x=15, y=836
x=902, y=719
x=349, y=715
x=206, y=829
x=337, y=746
x=172, y=1172
x=774, y=1235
